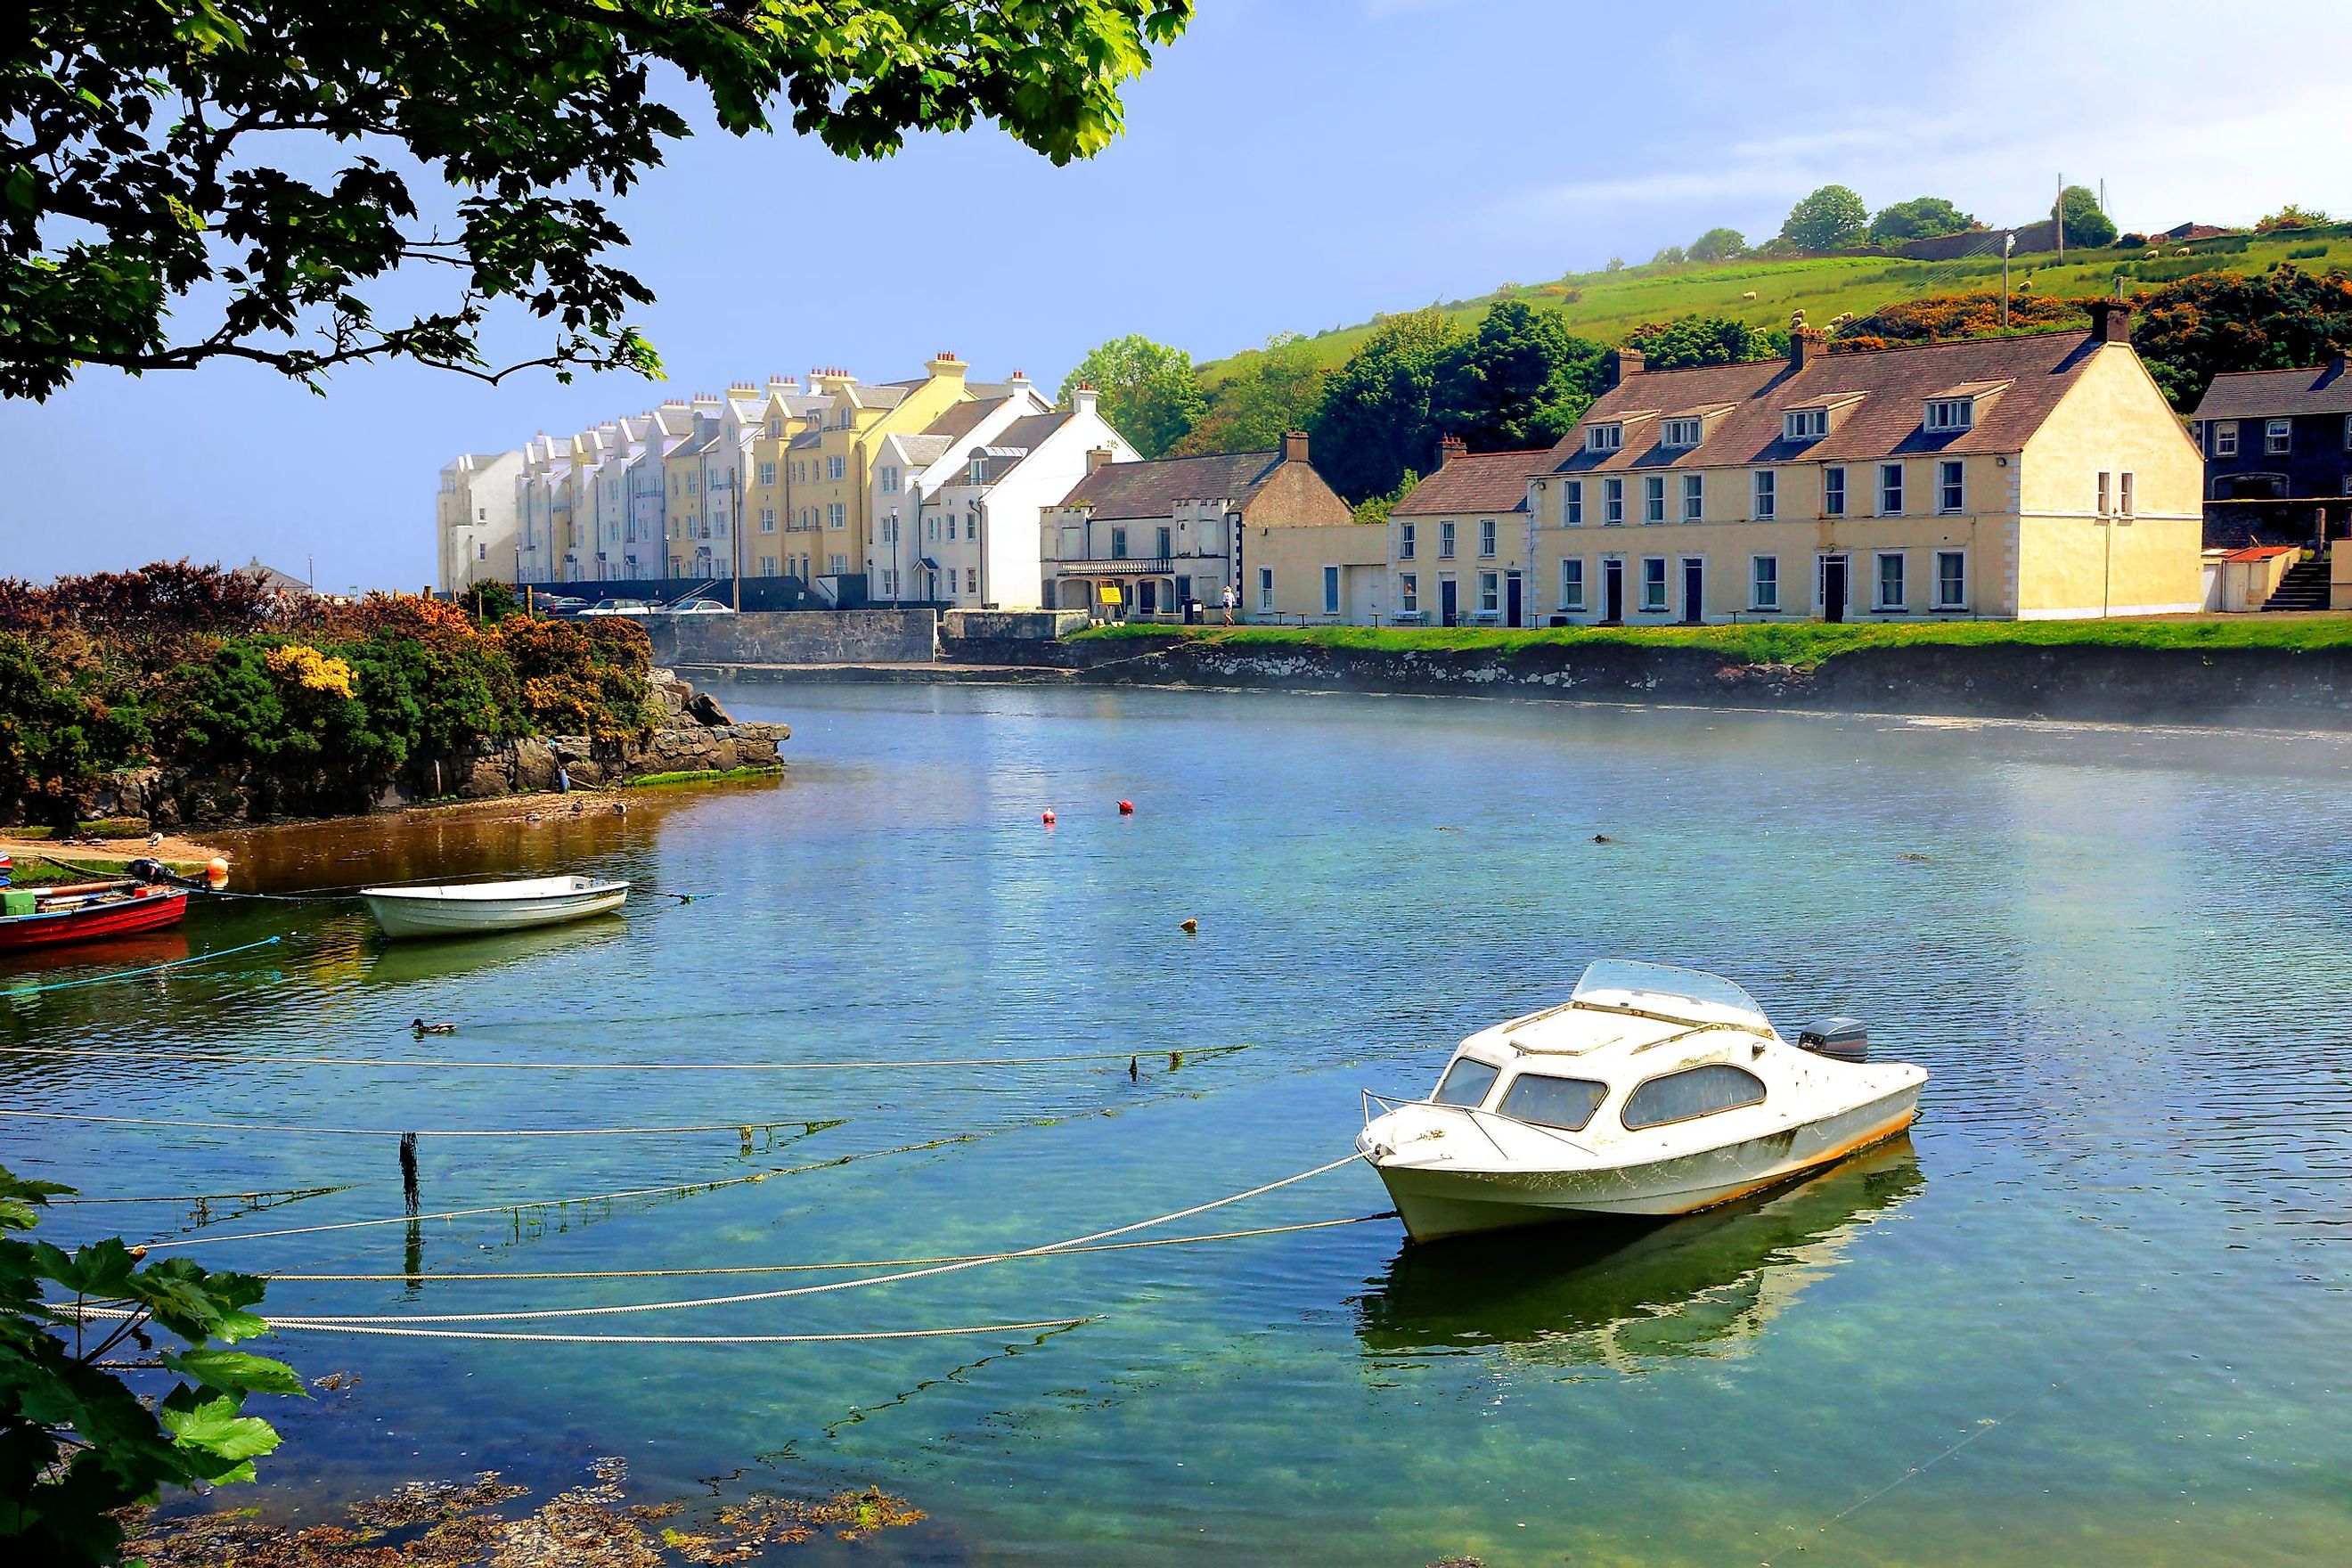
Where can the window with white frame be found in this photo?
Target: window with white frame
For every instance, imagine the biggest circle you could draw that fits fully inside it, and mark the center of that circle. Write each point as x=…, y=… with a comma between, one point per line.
x=1890, y=579
x=1118, y=544
x=1768, y=495
x=836, y=468
x=1486, y=538
x=1694, y=497
x=1409, y=593
x=837, y=515
x=1571, y=583
x=1951, y=494
x=1681, y=433
x=2106, y=490
x=1266, y=587
x=2278, y=437
x=837, y=563
x=1951, y=580
x=1404, y=540
x=1571, y=504
x=889, y=478
x=2124, y=496
x=1653, y=498
x=1445, y=539
x=1763, y=582
x=767, y=520
x=1951, y=413
x=1603, y=437
x=1805, y=424
x=1490, y=600
x=972, y=579
x=1654, y=583
x=767, y=475
x=1161, y=538
x=1833, y=493
x=1890, y=490
x=2225, y=437
x=1613, y=502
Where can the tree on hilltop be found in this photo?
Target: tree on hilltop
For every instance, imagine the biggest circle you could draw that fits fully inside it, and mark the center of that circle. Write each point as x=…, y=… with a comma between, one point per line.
x=1521, y=380
x=2086, y=226
x=1921, y=217
x=1718, y=245
x=1831, y=219
x=1265, y=393
x=145, y=165
x=1375, y=419
x=1705, y=340
x=1146, y=390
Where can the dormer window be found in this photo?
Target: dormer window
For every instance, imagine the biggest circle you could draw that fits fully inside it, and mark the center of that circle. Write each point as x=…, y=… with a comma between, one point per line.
x=1604, y=437
x=1681, y=433
x=1805, y=424
x=1949, y=414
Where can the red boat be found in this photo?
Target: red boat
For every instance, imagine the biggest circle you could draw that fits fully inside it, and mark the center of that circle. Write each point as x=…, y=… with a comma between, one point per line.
x=80, y=911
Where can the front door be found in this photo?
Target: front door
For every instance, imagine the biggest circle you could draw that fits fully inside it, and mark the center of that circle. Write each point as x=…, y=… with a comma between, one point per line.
x=1694, y=584
x=1832, y=588
x=1512, y=602
x=1147, y=597
x=1448, y=602
x=1612, y=591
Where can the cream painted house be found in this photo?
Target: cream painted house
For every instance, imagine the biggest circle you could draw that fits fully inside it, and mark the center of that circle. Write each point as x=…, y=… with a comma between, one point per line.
x=475, y=519
x=2028, y=477
x=1458, y=542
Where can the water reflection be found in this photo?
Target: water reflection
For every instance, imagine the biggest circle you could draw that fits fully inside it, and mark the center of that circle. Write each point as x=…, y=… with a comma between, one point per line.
x=405, y=962
x=1621, y=1294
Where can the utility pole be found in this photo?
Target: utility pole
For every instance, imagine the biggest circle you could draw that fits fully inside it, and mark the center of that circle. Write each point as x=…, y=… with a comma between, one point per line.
x=2008, y=244
x=2058, y=219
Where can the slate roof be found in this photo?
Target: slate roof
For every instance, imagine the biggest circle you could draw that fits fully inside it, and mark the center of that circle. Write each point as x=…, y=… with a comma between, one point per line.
x=925, y=449
x=960, y=419
x=1154, y=489
x=1483, y=482
x=1028, y=432
x=1893, y=384
x=2278, y=394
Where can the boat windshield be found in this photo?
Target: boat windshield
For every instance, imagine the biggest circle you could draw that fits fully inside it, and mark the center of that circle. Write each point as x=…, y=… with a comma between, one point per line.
x=1685, y=994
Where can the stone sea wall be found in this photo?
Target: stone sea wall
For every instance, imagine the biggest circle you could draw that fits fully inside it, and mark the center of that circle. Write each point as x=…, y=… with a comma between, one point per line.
x=2078, y=681
x=797, y=636
x=695, y=735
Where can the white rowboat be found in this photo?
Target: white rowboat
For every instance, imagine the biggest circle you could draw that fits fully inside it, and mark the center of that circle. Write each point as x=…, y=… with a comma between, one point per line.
x=478, y=909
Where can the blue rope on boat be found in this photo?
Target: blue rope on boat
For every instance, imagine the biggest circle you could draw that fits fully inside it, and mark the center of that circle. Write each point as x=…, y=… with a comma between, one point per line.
x=134, y=973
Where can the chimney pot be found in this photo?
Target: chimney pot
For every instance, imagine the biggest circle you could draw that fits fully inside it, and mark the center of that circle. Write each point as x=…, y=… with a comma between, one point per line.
x=1622, y=363
x=2111, y=321
x=1807, y=344
x=1294, y=445
x=1450, y=447
x=1097, y=457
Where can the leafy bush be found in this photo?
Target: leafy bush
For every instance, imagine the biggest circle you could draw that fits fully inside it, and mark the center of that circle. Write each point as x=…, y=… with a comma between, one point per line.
x=78, y=1443
x=61, y=720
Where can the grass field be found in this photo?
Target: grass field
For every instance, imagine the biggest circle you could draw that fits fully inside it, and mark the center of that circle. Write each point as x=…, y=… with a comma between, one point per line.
x=1606, y=306
x=1803, y=643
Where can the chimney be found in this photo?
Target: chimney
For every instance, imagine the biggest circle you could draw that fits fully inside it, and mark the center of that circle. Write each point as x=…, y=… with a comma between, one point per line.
x=1450, y=447
x=1294, y=445
x=1620, y=363
x=945, y=362
x=1806, y=345
x=1083, y=399
x=2111, y=321
x=1097, y=457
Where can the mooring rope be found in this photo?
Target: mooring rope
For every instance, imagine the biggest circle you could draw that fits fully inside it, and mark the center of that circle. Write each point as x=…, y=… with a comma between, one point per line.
x=398, y=1131
x=7, y=990
x=224, y=1057
x=289, y=1195
x=821, y=1267
x=744, y=1298
x=1044, y=1325
x=518, y=1204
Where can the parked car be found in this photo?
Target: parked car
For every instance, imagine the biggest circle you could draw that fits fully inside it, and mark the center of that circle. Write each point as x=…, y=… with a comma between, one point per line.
x=557, y=604
x=699, y=607
x=618, y=608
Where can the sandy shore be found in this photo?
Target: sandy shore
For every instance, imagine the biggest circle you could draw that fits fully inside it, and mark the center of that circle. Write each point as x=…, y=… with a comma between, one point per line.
x=171, y=848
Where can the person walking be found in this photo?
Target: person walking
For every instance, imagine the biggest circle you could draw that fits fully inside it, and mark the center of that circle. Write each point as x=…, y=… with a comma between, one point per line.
x=1230, y=597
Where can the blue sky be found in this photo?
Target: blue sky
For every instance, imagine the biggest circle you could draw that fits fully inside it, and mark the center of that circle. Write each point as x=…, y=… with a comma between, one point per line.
x=1289, y=164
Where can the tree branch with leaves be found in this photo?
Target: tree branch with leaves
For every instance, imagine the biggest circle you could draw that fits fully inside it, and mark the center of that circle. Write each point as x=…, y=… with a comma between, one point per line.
x=146, y=150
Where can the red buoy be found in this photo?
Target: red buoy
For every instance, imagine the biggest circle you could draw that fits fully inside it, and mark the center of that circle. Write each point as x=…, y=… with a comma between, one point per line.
x=1047, y=818
x=1127, y=808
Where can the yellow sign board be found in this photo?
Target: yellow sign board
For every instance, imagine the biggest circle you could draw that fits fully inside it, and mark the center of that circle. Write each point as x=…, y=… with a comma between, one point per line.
x=1108, y=593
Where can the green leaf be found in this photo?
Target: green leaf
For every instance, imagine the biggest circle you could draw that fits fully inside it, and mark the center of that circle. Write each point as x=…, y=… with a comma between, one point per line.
x=237, y=1372
x=214, y=1427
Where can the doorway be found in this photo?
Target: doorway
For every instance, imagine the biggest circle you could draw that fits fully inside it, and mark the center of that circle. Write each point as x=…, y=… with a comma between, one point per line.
x=1514, y=603
x=1613, y=591
x=1834, y=588
x=1694, y=590
x=1449, y=601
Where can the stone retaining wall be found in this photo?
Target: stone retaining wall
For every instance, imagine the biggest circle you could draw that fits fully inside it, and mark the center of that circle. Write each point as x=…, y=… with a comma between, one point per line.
x=797, y=636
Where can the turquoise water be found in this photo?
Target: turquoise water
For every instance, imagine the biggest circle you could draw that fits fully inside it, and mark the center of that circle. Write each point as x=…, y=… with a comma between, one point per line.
x=2093, y=1311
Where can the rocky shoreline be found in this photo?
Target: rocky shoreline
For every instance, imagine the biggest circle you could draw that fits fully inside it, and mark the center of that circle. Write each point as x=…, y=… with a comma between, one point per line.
x=695, y=735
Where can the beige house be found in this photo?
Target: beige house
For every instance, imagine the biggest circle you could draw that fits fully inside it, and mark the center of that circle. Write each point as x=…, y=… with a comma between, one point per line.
x=2020, y=478
x=1147, y=539
x=1458, y=542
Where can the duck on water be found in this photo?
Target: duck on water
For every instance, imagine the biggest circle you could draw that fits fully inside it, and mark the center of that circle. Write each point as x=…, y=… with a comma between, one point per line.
x=1652, y=1091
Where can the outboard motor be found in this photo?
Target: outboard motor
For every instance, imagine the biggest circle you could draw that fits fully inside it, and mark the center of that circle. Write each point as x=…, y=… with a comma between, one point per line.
x=1841, y=1039
x=144, y=869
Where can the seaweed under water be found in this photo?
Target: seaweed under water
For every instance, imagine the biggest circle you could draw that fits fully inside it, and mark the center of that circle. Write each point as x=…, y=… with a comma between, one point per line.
x=469, y=1524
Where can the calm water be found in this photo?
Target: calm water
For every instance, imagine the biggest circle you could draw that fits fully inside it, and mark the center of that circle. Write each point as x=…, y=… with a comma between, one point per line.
x=2094, y=1312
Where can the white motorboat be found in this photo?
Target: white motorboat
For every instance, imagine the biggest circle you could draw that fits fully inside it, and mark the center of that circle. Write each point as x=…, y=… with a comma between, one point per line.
x=476, y=908
x=1652, y=1091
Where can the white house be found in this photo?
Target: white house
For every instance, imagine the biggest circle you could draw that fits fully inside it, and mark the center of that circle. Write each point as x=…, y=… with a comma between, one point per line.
x=985, y=498
x=476, y=516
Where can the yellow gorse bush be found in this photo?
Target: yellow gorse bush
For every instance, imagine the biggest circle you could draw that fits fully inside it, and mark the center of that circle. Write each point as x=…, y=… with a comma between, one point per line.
x=309, y=670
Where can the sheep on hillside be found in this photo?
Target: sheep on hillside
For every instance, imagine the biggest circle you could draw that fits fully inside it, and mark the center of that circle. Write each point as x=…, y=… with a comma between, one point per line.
x=1749, y=296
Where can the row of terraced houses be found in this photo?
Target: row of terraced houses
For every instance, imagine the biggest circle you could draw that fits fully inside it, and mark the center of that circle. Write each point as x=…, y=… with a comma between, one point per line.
x=2030, y=476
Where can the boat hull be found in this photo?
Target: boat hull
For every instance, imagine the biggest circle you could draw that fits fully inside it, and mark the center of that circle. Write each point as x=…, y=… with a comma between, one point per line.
x=88, y=923
x=410, y=918
x=1435, y=1201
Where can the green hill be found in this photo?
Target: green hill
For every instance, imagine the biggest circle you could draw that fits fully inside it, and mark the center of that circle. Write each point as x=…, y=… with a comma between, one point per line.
x=1606, y=306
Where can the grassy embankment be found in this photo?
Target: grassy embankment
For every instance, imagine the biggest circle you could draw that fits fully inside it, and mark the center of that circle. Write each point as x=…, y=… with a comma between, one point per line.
x=1803, y=643
x=1606, y=306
